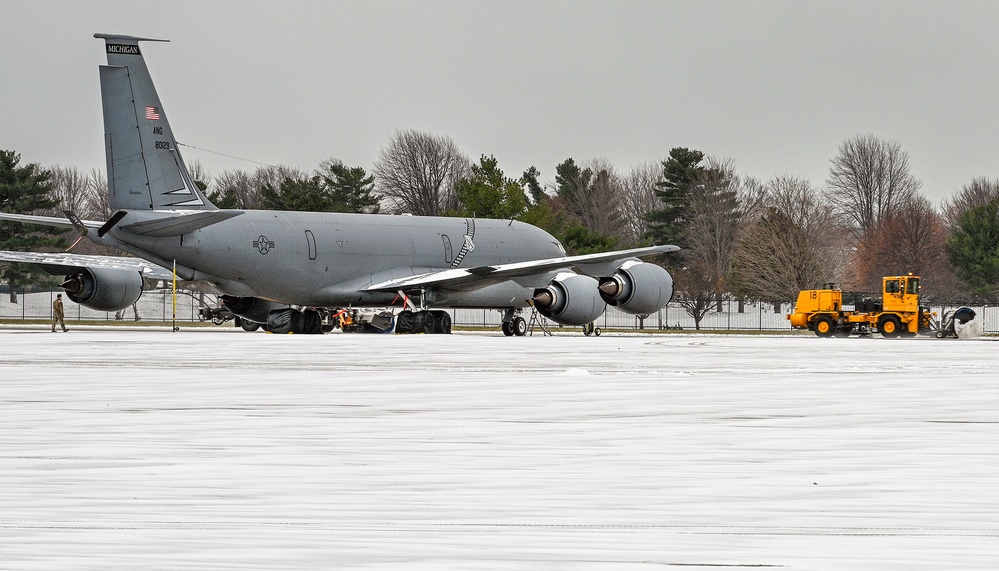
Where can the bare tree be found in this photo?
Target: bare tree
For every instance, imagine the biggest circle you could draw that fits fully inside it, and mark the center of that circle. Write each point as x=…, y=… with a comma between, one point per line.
x=775, y=259
x=240, y=189
x=710, y=234
x=71, y=188
x=99, y=207
x=869, y=179
x=791, y=241
x=199, y=174
x=416, y=172
x=638, y=199
x=913, y=239
x=593, y=197
x=695, y=289
x=979, y=192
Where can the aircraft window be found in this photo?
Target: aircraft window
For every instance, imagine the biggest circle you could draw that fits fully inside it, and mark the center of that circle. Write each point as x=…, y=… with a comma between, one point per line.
x=312, y=244
x=448, y=255
x=891, y=286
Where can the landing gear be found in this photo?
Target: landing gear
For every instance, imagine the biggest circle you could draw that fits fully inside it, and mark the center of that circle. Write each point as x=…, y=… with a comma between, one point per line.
x=591, y=329
x=514, y=324
x=519, y=327
x=429, y=322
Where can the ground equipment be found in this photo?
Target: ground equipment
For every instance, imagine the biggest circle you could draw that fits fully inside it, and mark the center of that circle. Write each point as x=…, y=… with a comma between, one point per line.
x=897, y=314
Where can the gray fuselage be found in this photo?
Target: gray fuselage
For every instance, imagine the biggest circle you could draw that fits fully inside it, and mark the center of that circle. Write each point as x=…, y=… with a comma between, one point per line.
x=326, y=259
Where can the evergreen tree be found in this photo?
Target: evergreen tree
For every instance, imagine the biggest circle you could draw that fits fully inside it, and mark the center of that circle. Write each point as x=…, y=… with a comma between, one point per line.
x=490, y=194
x=350, y=189
x=24, y=190
x=335, y=188
x=530, y=182
x=974, y=249
x=680, y=171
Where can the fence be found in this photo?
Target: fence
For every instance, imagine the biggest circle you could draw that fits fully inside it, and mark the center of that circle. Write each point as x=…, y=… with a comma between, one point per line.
x=725, y=315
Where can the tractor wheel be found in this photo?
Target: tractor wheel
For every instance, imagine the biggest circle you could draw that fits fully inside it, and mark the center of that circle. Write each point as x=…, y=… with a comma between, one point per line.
x=824, y=327
x=890, y=326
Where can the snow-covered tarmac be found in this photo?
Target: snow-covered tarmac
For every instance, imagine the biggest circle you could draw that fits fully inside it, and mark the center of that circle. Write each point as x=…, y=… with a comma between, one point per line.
x=140, y=449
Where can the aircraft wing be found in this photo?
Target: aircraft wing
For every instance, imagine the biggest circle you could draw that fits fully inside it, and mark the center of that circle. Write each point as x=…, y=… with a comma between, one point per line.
x=461, y=278
x=61, y=262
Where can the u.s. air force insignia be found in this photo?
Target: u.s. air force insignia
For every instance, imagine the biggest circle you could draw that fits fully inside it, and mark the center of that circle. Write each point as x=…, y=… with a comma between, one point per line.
x=263, y=245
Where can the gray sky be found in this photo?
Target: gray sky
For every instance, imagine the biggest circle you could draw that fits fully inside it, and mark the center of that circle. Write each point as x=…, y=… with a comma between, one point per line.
x=775, y=86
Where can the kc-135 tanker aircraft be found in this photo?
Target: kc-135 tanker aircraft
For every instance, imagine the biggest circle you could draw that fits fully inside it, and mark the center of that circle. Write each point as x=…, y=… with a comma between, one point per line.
x=296, y=267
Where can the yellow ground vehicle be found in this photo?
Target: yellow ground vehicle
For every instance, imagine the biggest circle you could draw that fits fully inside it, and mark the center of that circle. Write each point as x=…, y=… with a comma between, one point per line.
x=897, y=314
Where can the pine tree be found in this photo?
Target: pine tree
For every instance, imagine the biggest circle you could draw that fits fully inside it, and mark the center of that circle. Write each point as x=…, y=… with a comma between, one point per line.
x=680, y=171
x=24, y=190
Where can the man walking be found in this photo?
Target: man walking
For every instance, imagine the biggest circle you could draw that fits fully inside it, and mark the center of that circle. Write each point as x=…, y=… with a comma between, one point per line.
x=57, y=313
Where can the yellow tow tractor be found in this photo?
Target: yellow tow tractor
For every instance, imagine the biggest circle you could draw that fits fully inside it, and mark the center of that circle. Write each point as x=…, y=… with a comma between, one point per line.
x=897, y=314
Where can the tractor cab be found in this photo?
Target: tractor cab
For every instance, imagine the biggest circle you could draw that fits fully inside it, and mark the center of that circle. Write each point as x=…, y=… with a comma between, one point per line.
x=901, y=293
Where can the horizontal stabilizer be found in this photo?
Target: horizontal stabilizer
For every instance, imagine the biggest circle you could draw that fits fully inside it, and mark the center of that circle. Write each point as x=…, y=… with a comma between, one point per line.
x=180, y=224
x=47, y=220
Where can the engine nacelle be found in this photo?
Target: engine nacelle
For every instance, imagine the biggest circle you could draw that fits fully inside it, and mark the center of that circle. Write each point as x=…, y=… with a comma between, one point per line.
x=570, y=299
x=104, y=289
x=251, y=308
x=637, y=288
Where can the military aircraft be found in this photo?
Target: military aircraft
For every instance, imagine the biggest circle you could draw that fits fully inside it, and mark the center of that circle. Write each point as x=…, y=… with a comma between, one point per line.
x=275, y=267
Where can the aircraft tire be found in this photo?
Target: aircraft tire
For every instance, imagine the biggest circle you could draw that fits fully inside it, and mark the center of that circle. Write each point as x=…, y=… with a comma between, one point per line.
x=519, y=327
x=249, y=325
x=429, y=324
x=442, y=321
x=508, y=328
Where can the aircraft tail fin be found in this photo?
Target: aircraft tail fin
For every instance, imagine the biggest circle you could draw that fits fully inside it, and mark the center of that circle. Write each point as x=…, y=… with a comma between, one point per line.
x=145, y=169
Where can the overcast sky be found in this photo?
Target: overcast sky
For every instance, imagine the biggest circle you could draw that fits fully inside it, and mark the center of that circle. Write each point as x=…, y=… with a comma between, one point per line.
x=775, y=86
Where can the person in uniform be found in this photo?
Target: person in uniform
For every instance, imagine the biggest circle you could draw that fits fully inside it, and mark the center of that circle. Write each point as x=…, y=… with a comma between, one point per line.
x=58, y=314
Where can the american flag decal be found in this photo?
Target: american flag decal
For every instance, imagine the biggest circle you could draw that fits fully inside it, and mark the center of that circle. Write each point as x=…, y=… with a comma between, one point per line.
x=152, y=113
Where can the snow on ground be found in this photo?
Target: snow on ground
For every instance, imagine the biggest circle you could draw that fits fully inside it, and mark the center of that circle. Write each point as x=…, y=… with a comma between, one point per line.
x=126, y=449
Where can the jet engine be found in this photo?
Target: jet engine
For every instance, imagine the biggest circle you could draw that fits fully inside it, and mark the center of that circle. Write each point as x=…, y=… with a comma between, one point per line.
x=251, y=308
x=104, y=289
x=637, y=288
x=570, y=299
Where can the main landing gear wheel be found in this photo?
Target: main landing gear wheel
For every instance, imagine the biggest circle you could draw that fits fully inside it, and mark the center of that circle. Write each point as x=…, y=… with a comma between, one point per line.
x=508, y=328
x=442, y=321
x=590, y=329
x=519, y=327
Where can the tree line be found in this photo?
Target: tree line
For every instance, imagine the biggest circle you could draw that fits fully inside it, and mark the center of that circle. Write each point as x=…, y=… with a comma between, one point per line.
x=741, y=237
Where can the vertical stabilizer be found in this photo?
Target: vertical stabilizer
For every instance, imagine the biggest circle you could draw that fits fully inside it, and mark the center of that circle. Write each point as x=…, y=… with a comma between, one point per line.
x=145, y=169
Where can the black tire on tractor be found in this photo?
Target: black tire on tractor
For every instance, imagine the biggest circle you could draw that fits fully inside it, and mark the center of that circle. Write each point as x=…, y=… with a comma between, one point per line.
x=890, y=326
x=824, y=326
